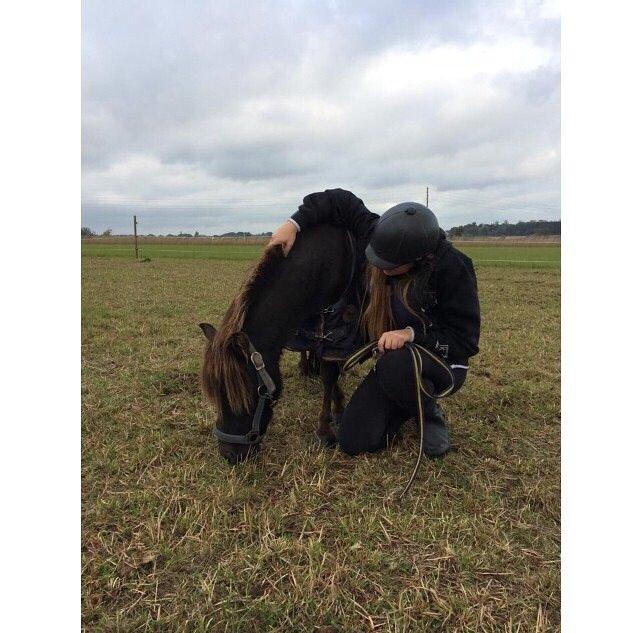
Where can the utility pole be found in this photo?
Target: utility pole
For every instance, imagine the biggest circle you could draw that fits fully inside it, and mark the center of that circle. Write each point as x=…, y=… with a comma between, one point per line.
x=135, y=234
x=427, y=197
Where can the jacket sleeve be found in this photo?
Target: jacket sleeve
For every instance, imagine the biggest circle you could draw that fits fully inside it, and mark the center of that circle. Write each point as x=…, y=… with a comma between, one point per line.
x=455, y=331
x=337, y=207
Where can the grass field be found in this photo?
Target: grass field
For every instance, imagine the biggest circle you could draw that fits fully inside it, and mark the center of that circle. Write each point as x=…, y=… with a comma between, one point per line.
x=304, y=539
x=544, y=256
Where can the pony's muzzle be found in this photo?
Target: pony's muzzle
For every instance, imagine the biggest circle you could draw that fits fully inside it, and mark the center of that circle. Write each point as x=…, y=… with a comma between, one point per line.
x=237, y=453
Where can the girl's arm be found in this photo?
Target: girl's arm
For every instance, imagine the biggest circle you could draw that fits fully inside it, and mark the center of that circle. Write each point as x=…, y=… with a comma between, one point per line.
x=337, y=207
x=456, y=333
x=333, y=206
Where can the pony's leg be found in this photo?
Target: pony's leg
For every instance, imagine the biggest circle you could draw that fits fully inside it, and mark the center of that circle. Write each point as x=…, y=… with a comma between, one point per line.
x=303, y=364
x=329, y=372
x=314, y=364
x=338, y=403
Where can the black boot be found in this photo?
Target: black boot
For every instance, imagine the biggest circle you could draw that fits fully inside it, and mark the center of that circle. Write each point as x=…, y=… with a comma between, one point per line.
x=435, y=440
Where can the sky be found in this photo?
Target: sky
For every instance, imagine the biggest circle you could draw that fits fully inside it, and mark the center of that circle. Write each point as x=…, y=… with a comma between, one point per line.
x=221, y=116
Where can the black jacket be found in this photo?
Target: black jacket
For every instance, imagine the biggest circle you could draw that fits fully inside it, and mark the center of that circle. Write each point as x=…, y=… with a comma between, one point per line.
x=445, y=292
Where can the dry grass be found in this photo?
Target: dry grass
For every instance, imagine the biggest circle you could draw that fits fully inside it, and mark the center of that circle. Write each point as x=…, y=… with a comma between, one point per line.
x=306, y=539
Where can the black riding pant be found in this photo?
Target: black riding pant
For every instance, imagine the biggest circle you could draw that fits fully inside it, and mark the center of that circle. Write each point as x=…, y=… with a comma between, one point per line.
x=387, y=397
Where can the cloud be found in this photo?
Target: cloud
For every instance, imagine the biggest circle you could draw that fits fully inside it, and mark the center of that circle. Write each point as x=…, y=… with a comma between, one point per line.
x=215, y=117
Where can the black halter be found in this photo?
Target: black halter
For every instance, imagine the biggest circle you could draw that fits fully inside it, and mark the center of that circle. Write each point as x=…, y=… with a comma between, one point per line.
x=266, y=389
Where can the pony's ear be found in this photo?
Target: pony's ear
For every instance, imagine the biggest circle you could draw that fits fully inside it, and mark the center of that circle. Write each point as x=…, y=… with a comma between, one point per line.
x=208, y=329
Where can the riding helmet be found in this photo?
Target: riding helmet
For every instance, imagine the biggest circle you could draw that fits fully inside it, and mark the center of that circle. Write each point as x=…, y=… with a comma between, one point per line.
x=403, y=234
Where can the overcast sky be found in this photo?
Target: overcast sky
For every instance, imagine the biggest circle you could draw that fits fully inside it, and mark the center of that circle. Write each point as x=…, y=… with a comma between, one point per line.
x=219, y=116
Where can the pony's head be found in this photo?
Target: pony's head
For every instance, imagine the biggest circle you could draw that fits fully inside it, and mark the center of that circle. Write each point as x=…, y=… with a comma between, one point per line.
x=229, y=379
x=230, y=382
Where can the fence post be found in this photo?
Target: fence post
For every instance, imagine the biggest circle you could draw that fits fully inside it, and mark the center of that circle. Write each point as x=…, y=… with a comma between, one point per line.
x=135, y=234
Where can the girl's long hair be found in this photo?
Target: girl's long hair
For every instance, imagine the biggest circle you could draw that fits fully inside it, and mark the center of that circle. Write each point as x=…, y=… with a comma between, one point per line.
x=377, y=317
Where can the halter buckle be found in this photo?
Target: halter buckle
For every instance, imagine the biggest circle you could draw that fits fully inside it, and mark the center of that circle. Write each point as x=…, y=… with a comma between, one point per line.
x=257, y=361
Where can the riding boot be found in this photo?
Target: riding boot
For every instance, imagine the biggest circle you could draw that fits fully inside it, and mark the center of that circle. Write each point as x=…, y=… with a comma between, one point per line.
x=435, y=441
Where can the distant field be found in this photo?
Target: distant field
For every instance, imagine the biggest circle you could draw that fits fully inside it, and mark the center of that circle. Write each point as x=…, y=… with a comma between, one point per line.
x=528, y=256
x=234, y=252
x=538, y=256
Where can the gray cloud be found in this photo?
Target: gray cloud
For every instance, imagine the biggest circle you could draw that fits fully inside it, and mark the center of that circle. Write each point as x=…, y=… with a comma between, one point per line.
x=205, y=116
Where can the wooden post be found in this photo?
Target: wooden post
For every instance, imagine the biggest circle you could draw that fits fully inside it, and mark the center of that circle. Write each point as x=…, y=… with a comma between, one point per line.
x=135, y=234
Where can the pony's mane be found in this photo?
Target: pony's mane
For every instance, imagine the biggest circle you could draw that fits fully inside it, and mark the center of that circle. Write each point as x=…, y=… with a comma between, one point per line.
x=224, y=369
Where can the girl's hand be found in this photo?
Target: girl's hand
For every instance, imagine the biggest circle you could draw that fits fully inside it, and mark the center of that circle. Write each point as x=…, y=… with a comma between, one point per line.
x=285, y=235
x=395, y=339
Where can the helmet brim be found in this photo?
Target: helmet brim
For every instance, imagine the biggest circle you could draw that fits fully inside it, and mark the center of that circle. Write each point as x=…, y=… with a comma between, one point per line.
x=377, y=261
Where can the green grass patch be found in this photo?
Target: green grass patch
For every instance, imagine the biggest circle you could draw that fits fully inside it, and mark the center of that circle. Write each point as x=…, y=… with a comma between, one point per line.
x=482, y=255
x=231, y=252
x=511, y=256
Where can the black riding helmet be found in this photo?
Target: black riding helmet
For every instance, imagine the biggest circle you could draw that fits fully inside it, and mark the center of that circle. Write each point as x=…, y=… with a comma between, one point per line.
x=402, y=235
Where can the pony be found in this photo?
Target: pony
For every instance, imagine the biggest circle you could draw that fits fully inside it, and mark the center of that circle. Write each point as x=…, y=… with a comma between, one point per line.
x=279, y=294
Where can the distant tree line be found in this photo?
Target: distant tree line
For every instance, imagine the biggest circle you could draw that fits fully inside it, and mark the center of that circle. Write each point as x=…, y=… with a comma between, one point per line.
x=232, y=234
x=504, y=229
x=87, y=232
x=245, y=234
x=496, y=229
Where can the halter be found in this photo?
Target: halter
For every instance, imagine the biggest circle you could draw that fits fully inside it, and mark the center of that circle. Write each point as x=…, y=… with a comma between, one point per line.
x=266, y=389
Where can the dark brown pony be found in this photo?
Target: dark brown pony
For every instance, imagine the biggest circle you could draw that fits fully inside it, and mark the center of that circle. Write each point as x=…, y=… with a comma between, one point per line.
x=276, y=298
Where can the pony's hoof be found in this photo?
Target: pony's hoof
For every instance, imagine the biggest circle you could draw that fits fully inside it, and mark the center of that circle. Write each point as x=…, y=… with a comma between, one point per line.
x=336, y=420
x=327, y=441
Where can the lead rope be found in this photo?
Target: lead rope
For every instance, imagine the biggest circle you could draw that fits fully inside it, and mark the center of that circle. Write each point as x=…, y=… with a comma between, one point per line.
x=414, y=350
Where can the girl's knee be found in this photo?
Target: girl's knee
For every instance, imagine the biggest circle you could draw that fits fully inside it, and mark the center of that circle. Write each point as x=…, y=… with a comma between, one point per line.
x=349, y=440
x=352, y=442
x=350, y=448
